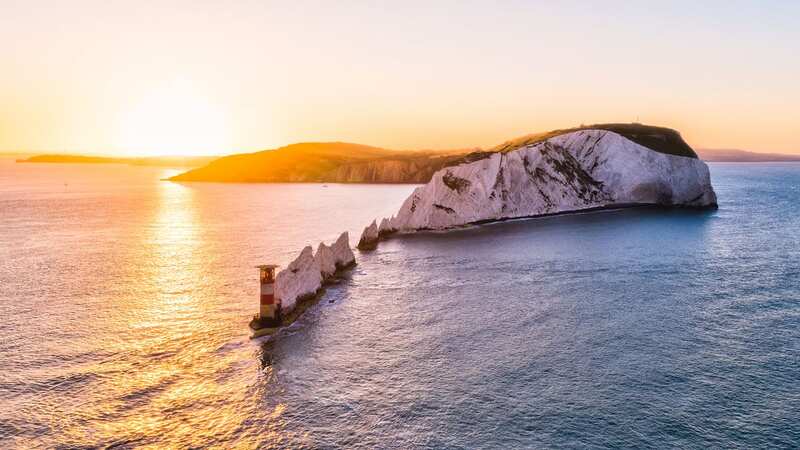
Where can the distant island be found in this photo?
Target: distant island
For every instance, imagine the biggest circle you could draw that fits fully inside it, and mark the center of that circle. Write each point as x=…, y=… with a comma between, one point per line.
x=159, y=161
x=341, y=162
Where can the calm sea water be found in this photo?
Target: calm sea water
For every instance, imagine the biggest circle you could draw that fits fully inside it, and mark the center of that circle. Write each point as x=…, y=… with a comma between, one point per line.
x=125, y=301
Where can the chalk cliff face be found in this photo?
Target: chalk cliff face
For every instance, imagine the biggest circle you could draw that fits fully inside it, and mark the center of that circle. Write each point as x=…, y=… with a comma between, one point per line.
x=301, y=278
x=417, y=170
x=584, y=169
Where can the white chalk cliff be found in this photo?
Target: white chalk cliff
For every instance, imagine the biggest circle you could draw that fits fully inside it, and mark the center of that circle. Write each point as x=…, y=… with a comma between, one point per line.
x=585, y=169
x=305, y=275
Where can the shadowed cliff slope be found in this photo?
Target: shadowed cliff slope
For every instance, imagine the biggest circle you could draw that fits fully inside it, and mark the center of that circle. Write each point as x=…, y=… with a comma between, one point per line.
x=324, y=162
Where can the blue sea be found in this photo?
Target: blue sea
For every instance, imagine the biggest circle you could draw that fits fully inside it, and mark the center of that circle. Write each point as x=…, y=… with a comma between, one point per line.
x=126, y=300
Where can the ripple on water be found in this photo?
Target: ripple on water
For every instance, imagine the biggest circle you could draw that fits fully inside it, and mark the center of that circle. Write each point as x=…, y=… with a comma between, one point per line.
x=624, y=329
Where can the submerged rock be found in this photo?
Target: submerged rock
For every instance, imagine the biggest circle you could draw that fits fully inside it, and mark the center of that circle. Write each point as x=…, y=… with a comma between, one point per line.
x=342, y=253
x=369, y=238
x=326, y=261
x=575, y=171
x=300, y=279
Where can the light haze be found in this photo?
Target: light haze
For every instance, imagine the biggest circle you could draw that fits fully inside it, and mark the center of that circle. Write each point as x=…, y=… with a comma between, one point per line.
x=196, y=77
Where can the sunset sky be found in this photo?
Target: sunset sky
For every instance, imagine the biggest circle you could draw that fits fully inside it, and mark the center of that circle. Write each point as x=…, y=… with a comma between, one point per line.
x=212, y=77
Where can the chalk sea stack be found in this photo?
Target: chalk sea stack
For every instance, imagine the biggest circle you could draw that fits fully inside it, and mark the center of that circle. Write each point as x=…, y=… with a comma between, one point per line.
x=601, y=166
x=326, y=261
x=302, y=278
x=342, y=253
x=369, y=237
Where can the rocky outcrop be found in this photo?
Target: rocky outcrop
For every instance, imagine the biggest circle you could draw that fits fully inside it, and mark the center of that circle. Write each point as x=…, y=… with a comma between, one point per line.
x=585, y=169
x=385, y=228
x=342, y=253
x=326, y=261
x=301, y=278
x=369, y=237
x=304, y=277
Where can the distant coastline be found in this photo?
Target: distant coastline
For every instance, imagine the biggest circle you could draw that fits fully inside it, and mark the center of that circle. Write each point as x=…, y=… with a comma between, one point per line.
x=733, y=155
x=158, y=161
x=334, y=162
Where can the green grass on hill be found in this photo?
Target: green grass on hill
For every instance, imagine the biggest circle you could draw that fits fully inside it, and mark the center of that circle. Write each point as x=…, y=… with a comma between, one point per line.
x=660, y=139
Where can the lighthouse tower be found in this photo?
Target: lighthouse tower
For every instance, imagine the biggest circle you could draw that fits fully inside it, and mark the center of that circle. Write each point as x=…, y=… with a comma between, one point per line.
x=270, y=310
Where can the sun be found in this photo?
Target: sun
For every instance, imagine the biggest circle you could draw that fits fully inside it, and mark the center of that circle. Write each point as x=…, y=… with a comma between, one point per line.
x=175, y=119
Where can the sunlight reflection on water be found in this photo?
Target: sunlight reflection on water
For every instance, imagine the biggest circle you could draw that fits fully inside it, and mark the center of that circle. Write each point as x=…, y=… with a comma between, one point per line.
x=153, y=287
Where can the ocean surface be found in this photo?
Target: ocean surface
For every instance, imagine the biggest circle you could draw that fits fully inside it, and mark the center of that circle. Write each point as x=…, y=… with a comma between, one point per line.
x=125, y=301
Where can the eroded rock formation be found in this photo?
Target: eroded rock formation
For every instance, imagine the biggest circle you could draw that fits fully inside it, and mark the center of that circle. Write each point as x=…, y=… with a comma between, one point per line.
x=300, y=279
x=342, y=253
x=369, y=237
x=304, y=277
x=326, y=261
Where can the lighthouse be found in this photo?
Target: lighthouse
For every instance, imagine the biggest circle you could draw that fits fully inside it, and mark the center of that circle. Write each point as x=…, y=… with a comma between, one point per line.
x=268, y=318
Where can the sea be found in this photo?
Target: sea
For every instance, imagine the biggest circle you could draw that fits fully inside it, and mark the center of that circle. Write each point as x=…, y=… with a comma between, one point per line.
x=125, y=299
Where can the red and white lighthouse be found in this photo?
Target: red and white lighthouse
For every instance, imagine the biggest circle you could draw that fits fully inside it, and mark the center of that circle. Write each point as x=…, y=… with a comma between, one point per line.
x=270, y=308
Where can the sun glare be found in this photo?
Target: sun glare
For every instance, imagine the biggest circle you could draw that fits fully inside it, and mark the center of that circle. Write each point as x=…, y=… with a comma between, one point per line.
x=174, y=120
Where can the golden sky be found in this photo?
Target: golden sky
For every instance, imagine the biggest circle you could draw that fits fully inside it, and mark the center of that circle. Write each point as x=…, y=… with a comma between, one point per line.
x=211, y=77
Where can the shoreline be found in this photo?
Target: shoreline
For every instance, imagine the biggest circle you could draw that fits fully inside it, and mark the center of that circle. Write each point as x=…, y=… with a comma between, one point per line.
x=592, y=210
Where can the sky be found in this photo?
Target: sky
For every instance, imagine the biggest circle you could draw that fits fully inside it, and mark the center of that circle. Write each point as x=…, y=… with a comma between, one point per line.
x=212, y=77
